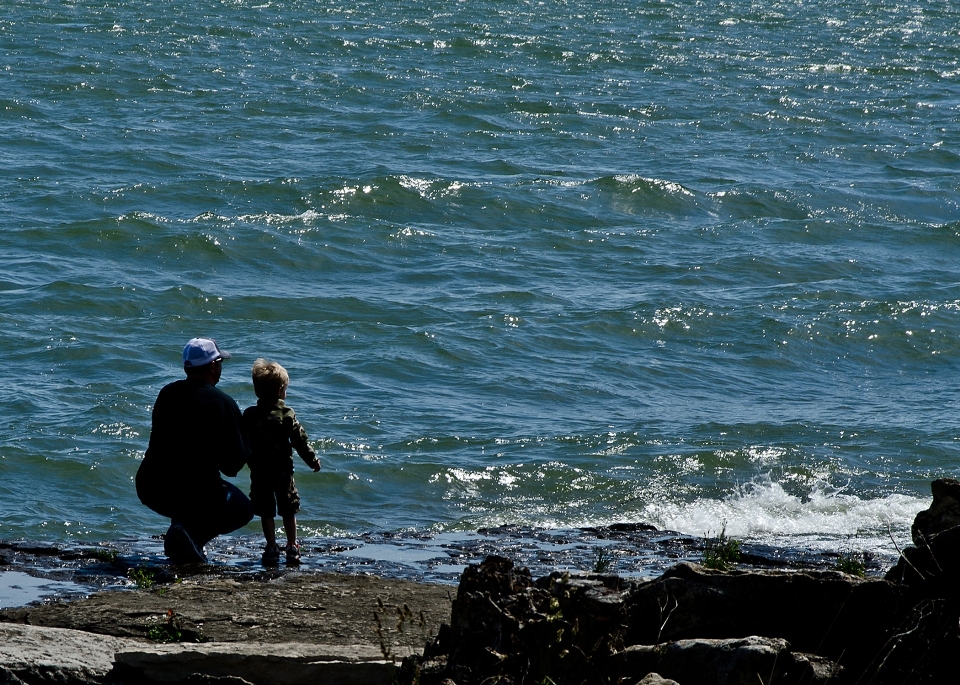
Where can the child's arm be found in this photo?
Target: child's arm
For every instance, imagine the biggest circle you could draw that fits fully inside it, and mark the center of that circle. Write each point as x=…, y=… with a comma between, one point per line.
x=300, y=442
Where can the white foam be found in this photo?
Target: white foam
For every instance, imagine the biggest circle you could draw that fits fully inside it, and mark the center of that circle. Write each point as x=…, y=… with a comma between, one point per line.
x=763, y=511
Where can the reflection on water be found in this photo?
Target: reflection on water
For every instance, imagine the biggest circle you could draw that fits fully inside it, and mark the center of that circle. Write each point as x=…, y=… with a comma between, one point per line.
x=18, y=588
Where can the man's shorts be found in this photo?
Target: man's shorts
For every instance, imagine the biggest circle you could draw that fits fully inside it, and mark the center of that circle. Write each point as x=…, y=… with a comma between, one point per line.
x=274, y=493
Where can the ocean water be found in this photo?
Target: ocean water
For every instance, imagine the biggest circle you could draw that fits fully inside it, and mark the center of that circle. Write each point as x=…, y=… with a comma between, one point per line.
x=552, y=264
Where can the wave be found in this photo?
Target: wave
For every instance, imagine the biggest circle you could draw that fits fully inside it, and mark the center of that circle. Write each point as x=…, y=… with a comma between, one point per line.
x=762, y=510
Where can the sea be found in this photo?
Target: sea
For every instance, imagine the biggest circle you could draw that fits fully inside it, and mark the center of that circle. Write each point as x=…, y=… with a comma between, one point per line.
x=532, y=265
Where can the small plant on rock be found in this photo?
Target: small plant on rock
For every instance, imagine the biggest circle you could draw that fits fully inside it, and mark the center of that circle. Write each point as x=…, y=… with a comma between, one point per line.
x=107, y=555
x=143, y=577
x=852, y=564
x=721, y=552
x=170, y=628
x=385, y=648
x=602, y=560
x=167, y=631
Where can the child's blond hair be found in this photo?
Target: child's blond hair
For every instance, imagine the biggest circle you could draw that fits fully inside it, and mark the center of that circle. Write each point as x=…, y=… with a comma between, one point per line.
x=269, y=378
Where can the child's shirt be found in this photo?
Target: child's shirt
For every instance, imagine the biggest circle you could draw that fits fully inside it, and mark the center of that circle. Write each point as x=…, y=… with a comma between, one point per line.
x=274, y=433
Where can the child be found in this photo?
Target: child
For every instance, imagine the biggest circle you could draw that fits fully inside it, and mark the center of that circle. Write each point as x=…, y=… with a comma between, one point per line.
x=274, y=432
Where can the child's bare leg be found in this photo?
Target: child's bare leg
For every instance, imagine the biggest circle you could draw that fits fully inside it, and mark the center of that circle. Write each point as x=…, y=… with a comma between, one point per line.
x=290, y=527
x=269, y=530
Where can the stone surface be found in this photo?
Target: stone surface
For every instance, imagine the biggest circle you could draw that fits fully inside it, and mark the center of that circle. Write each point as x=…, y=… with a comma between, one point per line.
x=503, y=625
x=572, y=628
x=656, y=679
x=931, y=568
x=257, y=663
x=30, y=654
x=350, y=628
x=923, y=649
x=35, y=655
x=328, y=609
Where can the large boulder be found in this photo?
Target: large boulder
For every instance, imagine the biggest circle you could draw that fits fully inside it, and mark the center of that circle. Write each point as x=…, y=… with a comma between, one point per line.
x=827, y=613
x=943, y=514
x=931, y=568
x=505, y=626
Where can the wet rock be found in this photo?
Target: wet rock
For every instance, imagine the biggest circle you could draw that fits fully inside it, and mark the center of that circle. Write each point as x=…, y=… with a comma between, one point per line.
x=496, y=577
x=931, y=568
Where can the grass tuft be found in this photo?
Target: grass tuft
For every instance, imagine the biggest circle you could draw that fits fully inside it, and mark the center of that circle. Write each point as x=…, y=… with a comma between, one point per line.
x=144, y=577
x=852, y=564
x=603, y=560
x=106, y=554
x=721, y=552
x=170, y=628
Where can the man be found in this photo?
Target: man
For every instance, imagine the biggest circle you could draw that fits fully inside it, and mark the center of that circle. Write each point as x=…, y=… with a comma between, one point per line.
x=197, y=434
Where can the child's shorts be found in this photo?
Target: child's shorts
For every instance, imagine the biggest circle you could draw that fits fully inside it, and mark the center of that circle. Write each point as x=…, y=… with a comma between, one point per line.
x=274, y=493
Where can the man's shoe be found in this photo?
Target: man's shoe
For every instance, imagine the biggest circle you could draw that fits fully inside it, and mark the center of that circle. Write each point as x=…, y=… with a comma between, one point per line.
x=293, y=553
x=271, y=555
x=180, y=548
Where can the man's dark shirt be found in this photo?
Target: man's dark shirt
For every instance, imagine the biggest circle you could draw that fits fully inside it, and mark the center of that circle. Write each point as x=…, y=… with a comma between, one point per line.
x=197, y=433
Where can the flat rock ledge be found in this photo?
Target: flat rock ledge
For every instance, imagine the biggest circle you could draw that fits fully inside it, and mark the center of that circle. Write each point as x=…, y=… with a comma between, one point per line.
x=260, y=663
x=29, y=654
x=291, y=629
x=32, y=655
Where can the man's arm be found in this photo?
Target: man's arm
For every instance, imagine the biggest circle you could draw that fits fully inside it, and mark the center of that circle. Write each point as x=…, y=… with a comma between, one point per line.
x=234, y=446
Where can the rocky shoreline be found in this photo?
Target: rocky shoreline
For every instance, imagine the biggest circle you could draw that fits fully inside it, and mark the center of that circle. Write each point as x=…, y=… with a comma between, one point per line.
x=690, y=625
x=696, y=626
x=632, y=550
